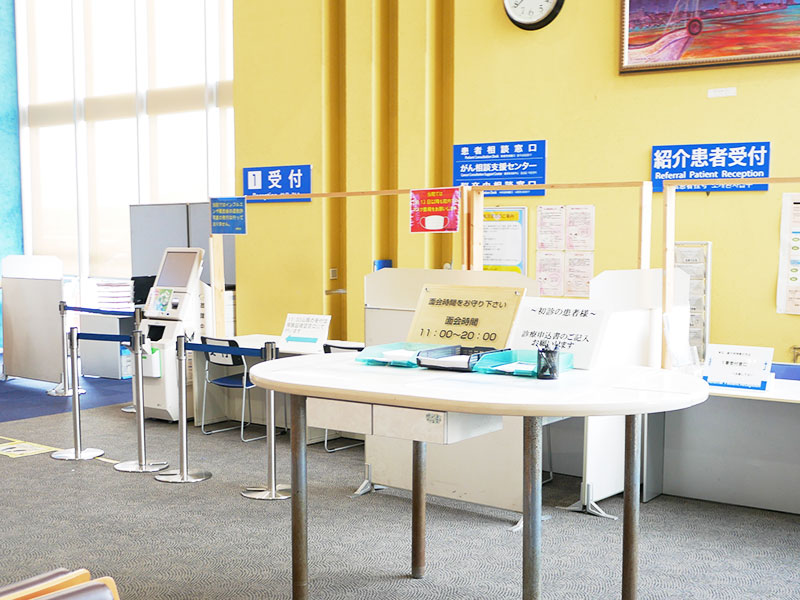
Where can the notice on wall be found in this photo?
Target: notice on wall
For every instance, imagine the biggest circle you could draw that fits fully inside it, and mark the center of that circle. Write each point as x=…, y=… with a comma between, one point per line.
x=573, y=325
x=580, y=227
x=550, y=272
x=579, y=270
x=565, y=249
x=465, y=315
x=435, y=210
x=788, y=296
x=550, y=231
x=228, y=215
x=694, y=258
x=501, y=163
x=505, y=239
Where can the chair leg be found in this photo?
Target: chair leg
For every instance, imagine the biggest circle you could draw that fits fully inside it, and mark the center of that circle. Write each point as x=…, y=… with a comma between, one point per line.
x=332, y=450
x=203, y=414
x=246, y=398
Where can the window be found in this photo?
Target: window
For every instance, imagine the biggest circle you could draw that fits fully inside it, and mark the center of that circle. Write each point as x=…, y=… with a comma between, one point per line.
x=120, y=104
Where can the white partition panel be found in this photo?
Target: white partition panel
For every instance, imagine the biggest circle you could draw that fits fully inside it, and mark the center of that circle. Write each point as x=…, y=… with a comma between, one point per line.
x=32, y=289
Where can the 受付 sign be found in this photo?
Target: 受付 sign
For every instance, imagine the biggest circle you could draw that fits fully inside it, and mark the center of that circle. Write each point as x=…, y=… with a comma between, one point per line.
x=745, y=160
x=501, y=163
x=286, y=179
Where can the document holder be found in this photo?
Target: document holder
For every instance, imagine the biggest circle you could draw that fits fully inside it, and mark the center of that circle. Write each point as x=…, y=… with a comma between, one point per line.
x=452, y=358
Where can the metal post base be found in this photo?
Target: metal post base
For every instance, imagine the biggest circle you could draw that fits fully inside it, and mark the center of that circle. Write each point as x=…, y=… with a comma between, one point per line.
x=133, y=466
x=367, y=486
x=264, y=493
x=60, y=392
x=590, y=509
x=85, y=454
x=518, y=525
x=175, y=476
x=128, y=408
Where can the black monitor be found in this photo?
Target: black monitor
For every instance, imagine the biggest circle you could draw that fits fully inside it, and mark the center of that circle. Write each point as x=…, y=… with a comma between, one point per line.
x=141, y=287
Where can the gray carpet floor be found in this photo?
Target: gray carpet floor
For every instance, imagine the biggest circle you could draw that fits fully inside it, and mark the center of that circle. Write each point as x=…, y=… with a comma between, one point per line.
x=163, y=541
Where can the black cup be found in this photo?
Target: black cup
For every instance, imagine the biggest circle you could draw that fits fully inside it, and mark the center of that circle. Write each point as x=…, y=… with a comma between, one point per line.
x=547, y=364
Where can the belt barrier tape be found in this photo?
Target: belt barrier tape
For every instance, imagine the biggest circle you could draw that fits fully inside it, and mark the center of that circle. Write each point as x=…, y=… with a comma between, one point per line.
x=104, y=337
x=226, y=350
x=100, y=311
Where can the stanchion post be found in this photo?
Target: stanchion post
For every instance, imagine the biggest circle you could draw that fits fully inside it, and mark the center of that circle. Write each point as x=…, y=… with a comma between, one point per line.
x=76, y=452
x=141, y=465
x=270, y=491
x=63, y=389
x=137, y=326
x=182, y=475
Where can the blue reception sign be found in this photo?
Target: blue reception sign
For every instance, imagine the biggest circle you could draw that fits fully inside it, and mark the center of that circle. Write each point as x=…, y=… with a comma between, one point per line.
x=286, y=179
x=228, y=215
x=744, y=160
x=501, y=163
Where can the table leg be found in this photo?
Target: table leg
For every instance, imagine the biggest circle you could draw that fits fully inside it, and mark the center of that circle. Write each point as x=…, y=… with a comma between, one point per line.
x=418, y=511
x=631, y=497
x=299, y=500
x=532, y=508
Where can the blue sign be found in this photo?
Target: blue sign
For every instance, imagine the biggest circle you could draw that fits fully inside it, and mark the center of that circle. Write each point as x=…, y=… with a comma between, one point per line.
x=746, y=160
x=286, y=179
x=228, y=215
x=501, y=163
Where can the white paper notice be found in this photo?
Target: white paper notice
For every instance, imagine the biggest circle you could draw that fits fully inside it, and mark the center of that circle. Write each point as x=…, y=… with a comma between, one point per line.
x=305, y=329
x=580, y=227
x=550, y=228
x=580, y=270
x=575, y=325
x=550, y=273
x=788, y=300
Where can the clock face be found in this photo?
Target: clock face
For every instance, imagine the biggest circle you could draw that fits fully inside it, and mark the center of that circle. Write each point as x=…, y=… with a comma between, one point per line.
x=532, y=14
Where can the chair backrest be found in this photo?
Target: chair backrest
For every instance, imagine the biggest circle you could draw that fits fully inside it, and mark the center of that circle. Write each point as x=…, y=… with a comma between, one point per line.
x=102, y=588
x=38, y=586
x=220, y=358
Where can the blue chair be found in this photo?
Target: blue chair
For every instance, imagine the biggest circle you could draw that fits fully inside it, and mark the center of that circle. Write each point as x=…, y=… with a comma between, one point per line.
x=239, y=380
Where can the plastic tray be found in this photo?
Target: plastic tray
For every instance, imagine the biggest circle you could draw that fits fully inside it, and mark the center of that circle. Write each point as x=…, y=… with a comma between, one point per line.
x=396, y=354
x=452, y=358
x=517, y=362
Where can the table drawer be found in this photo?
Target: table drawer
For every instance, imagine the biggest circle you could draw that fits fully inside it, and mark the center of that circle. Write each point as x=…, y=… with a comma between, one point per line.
x=352, y=417
x=431, y=426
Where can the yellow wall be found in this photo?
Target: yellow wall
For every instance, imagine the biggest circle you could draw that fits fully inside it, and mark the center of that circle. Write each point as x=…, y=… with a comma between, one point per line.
x=381, y=90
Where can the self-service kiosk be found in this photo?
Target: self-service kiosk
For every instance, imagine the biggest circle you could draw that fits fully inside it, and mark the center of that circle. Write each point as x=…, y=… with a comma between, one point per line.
x=172, y=309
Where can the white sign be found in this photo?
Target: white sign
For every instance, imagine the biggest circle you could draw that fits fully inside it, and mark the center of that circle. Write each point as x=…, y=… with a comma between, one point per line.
x=550, y=227
x=303, y=331
x=579, y=272
x=574, y=325
x=738, y=366
x=580, y=227
x=788, y=300
x=550, y=272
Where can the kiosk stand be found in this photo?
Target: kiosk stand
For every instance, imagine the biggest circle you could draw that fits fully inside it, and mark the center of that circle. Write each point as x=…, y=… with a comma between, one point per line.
x=172, y=310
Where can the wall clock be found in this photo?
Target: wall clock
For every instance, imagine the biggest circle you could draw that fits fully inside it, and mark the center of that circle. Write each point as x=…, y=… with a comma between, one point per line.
x=532, y=14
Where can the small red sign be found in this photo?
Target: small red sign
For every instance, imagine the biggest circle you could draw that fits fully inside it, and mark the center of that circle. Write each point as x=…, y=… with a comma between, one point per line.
x=435, y=210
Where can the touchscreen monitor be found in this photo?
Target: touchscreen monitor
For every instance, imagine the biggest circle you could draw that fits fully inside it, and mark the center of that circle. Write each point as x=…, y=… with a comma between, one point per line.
x=176, y=269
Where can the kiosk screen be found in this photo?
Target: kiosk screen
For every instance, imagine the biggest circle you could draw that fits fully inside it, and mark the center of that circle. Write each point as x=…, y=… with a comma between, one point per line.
x=176, y=270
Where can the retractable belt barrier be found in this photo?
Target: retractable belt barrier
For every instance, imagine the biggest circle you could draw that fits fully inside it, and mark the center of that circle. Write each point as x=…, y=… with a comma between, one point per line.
x=183, y=474
x=76, y=453
x=257, y=352
x=63, y=388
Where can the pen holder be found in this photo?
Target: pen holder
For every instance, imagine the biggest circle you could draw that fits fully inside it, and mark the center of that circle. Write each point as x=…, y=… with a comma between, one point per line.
x=547, y=364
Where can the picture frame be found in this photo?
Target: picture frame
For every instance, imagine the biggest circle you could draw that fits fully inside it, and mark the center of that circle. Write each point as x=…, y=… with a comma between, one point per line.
x=674, y=34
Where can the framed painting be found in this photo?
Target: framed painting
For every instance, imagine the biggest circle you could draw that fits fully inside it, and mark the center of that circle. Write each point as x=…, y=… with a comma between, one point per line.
x=669, y=34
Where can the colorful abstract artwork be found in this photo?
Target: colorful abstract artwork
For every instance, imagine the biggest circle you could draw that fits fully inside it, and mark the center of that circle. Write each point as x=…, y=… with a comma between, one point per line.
x=668, y=34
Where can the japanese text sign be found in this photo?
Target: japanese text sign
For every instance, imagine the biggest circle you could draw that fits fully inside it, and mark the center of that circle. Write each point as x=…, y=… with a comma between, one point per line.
x=465, y=315
x=228, y=215
x=744, y=160
x=738, y=366
x=302, y=331
x=286, y=179
x=501, y=163
x=574, y=326
x=435, y=210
